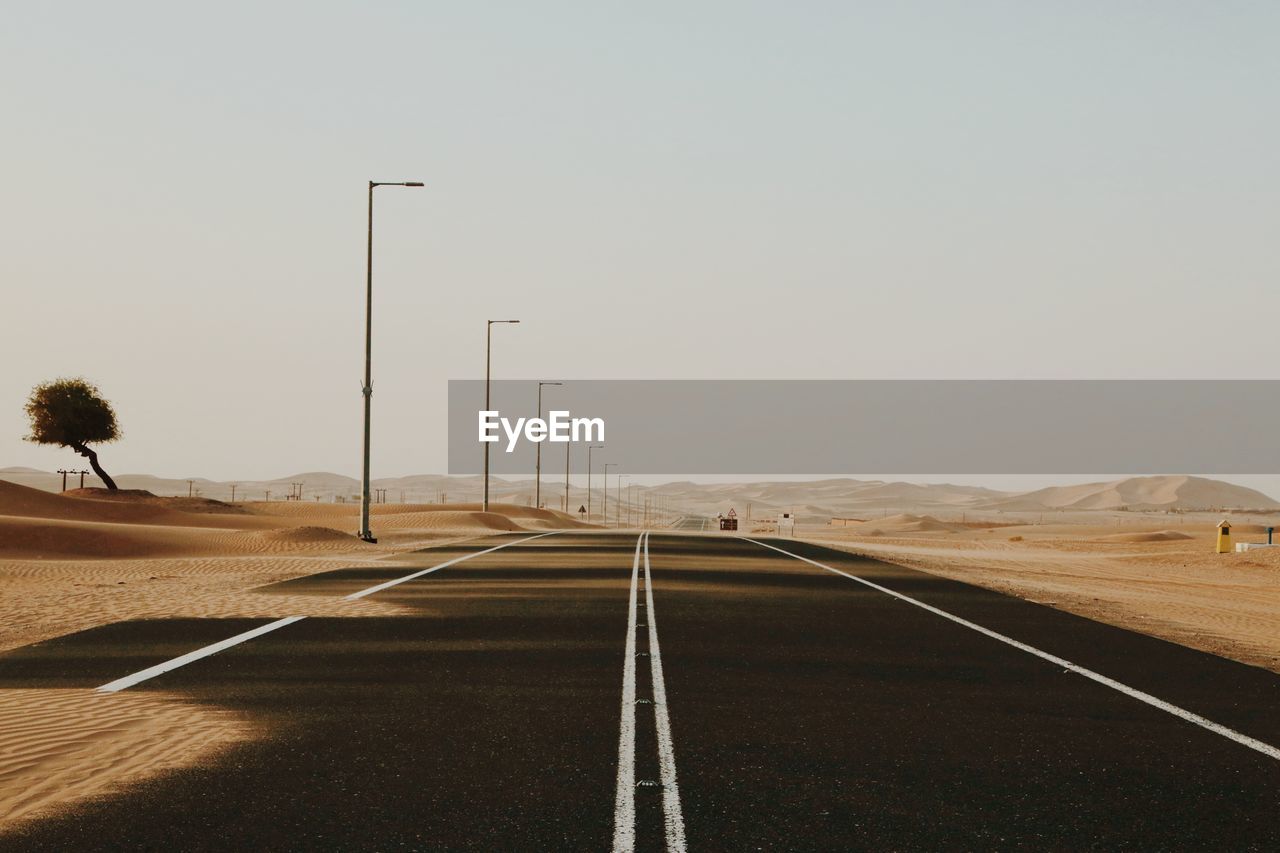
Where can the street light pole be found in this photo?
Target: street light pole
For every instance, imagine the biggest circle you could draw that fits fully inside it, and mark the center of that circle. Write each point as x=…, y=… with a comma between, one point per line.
x=488, y=351
x=590, y=447
x=617, y=504
x=367, y=388
x=604, y=512
x=537, y=489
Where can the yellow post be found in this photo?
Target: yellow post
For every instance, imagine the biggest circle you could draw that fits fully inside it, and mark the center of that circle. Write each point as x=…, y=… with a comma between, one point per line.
x=1224, y=537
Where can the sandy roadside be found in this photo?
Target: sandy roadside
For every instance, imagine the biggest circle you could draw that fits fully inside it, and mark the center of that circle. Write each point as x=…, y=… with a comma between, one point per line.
x=73, y=566
x=1177, y=589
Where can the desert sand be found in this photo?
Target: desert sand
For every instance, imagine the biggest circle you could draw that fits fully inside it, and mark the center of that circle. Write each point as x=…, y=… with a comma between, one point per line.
x=72, y=562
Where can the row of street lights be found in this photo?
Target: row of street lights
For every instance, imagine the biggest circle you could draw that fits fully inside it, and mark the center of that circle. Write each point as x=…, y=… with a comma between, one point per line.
x=367, y=391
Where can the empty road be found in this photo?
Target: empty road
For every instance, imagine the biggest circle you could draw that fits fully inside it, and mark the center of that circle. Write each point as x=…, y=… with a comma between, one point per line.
x=594, y=691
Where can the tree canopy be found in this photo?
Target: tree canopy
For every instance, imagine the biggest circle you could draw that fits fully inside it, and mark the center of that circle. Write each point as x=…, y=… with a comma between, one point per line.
x=70, y=412
x=73, y=413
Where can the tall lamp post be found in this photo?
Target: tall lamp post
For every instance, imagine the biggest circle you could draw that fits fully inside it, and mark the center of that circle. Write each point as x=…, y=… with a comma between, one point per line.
x=590, y=447
x=537, y=489
x=488, y=351
x=367, y=388
x=604, y=496
x=617, y=504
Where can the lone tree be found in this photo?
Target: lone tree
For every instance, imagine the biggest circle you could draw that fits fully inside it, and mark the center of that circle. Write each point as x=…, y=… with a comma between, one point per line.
x=73, y=413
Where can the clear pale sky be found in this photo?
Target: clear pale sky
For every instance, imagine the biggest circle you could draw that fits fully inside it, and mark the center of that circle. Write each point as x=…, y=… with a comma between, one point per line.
x=669, y=190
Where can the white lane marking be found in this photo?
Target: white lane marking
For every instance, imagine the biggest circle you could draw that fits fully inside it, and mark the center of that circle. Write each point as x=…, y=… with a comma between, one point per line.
x=161, y=668
x=380, y=587
x=1191, y=717
x=673, y=815
x=624, y=802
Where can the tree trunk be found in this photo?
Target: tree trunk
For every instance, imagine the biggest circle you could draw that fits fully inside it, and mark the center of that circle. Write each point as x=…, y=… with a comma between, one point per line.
x=92, y=456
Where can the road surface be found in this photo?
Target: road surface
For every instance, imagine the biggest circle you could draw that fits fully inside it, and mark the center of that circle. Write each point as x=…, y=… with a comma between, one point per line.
x=592, y=691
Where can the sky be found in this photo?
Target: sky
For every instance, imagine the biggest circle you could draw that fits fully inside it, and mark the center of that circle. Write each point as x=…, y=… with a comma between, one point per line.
x=673, y=190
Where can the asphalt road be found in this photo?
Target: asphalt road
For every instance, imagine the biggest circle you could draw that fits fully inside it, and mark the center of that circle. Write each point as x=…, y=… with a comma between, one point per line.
x=588, y=691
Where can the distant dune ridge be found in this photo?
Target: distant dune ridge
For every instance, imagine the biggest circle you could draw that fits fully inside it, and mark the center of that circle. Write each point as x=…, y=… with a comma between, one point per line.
x=1141, y=493
x=811, y=500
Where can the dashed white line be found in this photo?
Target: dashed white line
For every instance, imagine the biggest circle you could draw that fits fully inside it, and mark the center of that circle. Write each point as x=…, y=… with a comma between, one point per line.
x=624, y=801
x=673, y=815
x=190, y=657
x=1189, y=716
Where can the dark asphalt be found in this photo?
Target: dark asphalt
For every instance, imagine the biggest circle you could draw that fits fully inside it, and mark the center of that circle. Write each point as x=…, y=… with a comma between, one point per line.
x=807, y=712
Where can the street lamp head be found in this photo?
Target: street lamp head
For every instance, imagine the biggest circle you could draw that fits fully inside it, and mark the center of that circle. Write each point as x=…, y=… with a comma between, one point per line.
x=550, y=383
x=491, y=322
x=414, y=184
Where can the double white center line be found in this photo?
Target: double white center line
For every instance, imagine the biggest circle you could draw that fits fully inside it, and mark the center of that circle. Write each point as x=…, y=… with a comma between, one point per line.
x=624, y=815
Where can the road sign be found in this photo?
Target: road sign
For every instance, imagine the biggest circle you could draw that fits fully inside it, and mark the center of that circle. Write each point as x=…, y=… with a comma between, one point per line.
x=733, y=513
x=582, y=510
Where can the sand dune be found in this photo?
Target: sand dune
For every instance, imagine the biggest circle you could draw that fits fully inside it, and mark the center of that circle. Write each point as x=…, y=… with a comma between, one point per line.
x=37, y=525
x=86, y=505
x=38, y=539
x=1140, y=493
x=904, y=523
x=1149, y=536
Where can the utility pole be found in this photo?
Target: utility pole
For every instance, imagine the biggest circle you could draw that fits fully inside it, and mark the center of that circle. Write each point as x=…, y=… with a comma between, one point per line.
x=268, y=496
x=64, y=478
x=190, y=488
x=233, y=492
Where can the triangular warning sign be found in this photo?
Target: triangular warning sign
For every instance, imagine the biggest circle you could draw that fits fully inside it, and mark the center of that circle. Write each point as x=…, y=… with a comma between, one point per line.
x=582, y=509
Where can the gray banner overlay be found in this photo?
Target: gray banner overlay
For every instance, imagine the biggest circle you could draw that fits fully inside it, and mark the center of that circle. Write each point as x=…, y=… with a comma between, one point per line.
x=888, y=426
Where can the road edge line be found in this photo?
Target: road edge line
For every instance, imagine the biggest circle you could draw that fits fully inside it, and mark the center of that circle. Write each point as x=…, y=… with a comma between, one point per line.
x=213, y=648
x=190, y=657
x=1132, y=692
x=414, y=576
